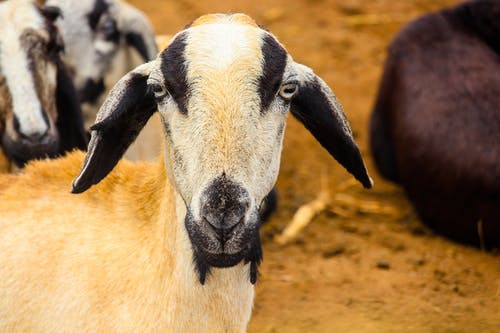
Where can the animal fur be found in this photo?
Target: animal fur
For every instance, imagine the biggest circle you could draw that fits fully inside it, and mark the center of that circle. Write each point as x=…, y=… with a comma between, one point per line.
x=172, y=245
x=39, y=110
x=435, y=127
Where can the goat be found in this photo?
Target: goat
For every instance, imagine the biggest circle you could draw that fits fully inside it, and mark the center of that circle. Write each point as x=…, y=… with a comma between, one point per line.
x=39, y=110
x=435, y=127
x=173, y=245
x=98, y=34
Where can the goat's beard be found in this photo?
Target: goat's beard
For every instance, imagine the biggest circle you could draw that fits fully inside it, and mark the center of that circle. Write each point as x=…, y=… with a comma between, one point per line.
x=250, y=251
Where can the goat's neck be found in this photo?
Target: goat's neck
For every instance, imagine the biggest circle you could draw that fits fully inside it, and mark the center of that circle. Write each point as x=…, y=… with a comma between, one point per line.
x=223, y=303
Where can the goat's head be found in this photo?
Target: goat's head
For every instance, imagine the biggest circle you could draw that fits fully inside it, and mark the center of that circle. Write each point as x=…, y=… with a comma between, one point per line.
x=93, y=31
x=223, y=88
x=29, y=70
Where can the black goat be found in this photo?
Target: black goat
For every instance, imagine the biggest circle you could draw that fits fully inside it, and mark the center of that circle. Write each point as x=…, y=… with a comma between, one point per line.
x=435, y=127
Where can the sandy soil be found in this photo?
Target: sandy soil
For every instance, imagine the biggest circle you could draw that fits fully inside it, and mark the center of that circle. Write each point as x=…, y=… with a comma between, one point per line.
x=363, y=272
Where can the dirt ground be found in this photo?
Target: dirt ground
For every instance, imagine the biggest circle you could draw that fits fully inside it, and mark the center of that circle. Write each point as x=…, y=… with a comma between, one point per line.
x=355, y=272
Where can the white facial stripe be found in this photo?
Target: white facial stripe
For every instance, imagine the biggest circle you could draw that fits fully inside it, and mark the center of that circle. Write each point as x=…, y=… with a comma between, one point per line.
x=14, y=64
x=224, y=60
x=219, y=45
x=223, y=65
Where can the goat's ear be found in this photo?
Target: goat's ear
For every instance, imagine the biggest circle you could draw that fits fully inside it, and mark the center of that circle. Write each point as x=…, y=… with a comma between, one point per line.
x=69, y=123
x=121, y=117
x=317, y=108
x=137, y=31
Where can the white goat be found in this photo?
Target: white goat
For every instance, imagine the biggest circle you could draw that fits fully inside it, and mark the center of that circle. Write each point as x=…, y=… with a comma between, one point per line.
x=39, y=110
x=98, y=36
x=174, y=245
x=106, y=39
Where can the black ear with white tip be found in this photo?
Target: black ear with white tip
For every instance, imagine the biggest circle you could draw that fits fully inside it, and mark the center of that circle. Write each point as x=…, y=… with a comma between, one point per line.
x=317, y=108
x=123, y=114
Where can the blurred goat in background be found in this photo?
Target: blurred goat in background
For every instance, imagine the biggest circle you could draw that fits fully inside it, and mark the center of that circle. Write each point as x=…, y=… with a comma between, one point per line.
x=39, y=111
x=435, y=128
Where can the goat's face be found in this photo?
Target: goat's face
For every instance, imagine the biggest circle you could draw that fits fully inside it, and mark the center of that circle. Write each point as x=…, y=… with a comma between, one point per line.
x=29, y=46
x=223, y=87
x=93, y=31
x=223, y=95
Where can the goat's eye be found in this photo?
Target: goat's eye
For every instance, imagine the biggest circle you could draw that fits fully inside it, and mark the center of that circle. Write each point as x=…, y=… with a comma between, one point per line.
x=107, y=27
x=158, y=90
x=288, y=90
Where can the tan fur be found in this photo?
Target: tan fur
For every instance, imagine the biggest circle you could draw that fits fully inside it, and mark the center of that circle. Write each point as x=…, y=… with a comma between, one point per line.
x=4, y=162
x=114, y=259
x=232, y=136
x=224, y=18
x=117, y=258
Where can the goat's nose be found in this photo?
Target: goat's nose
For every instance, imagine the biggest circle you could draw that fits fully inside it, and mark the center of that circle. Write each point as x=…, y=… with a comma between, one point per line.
x=224, y=220
x=224, y=206
x=39, y=135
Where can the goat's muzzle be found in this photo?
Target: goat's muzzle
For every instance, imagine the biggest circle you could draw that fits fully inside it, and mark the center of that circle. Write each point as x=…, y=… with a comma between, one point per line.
x=226, y=230
x=21, y=148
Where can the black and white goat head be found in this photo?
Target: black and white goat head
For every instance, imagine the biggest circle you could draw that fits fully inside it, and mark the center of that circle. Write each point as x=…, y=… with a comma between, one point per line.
x=94, y=32
x=223, y=88
x=39, y=110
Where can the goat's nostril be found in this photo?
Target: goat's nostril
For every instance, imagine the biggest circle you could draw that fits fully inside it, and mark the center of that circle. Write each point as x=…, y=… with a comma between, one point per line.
x=222, y=228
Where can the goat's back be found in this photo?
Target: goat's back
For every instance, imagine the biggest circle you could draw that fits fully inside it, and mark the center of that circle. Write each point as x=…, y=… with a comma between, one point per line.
x=435, y=128
x=77, y=262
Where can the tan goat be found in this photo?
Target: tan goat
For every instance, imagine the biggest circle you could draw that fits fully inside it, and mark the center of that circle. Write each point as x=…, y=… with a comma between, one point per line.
x=171, y=246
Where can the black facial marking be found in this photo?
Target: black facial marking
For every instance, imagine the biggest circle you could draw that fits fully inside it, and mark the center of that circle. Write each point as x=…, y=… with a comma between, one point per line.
x=174, y=68
x=37, y=55
x=107, y=29
x=100, y=7
x=274, y=56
